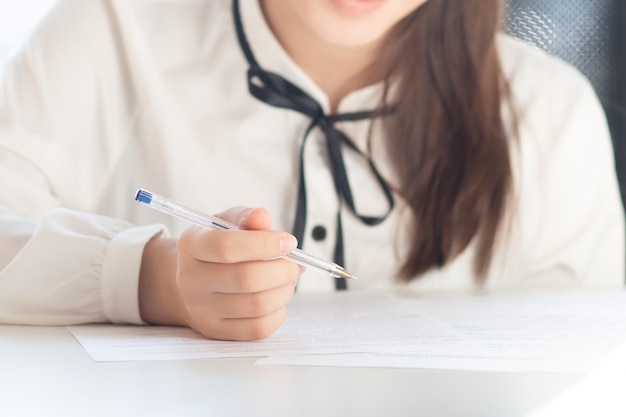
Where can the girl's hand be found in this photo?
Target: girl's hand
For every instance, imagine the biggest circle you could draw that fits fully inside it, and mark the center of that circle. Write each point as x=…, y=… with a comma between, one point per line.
x=220, y=282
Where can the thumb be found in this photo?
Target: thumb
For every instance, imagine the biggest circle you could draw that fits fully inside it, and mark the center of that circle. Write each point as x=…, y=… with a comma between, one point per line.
x=249, y=218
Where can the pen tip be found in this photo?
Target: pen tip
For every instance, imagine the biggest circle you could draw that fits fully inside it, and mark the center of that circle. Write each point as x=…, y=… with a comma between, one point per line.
x=345, y=274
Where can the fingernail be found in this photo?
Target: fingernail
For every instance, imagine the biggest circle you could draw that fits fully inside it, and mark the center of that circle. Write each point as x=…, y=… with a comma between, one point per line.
x=288, y=243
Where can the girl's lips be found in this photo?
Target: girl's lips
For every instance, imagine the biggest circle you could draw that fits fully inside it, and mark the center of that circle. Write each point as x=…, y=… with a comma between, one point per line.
x=357, y=7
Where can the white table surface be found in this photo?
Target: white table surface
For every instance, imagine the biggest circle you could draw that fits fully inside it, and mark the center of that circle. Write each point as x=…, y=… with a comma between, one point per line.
x=45, y=372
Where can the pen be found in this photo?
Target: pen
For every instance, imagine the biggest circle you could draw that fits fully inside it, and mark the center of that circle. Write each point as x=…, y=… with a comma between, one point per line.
x=172, y=208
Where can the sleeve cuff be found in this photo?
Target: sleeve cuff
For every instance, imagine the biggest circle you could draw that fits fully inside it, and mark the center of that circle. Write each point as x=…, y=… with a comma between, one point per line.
x=120, y=273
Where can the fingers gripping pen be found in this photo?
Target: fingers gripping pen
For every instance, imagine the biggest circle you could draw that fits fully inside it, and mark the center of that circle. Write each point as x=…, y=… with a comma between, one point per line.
x=172, y=208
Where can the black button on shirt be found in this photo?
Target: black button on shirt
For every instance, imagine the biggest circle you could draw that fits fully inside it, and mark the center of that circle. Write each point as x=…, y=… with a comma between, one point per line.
x=319, y=233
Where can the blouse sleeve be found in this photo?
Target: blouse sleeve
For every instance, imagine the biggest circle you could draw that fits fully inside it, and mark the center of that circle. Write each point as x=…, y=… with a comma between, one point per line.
x=70, y=268
x=60, y=264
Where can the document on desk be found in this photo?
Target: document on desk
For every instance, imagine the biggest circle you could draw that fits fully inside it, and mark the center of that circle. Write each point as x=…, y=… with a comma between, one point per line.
x=316, y=323
x=566, y=332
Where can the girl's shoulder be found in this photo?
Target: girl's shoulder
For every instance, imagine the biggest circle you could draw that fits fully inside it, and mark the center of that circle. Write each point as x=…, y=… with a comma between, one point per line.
x=530, y=69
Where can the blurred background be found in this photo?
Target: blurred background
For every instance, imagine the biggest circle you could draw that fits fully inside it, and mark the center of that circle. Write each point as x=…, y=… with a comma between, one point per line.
x=17, y=18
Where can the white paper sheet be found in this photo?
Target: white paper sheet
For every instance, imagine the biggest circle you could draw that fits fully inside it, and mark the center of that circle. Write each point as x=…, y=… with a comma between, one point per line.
x=328, y=323
x=569, y=332
x=560, y=333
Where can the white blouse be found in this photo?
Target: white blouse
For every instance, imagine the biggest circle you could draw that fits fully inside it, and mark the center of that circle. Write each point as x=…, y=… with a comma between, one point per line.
x=109, y=96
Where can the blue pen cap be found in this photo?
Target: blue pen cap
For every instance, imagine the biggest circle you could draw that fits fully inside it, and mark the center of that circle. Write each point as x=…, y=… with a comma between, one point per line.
x=143, y=196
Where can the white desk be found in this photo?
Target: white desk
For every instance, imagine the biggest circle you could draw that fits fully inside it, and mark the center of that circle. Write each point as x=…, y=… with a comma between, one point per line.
x=45, y=372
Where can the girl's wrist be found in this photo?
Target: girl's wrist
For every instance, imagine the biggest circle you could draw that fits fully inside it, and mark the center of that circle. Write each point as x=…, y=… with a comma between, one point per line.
x=159, y=298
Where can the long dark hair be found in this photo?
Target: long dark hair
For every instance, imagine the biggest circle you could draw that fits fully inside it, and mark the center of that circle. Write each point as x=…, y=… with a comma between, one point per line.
x=446, y=136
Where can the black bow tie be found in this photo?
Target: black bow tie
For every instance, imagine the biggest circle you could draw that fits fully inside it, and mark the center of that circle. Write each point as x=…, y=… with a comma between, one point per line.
x=274, y=90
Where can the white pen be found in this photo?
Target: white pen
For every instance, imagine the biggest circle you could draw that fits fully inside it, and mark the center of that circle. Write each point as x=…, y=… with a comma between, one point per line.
x=172, y=208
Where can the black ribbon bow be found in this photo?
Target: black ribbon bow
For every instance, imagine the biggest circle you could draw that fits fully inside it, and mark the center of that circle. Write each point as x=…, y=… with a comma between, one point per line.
x=276, y=91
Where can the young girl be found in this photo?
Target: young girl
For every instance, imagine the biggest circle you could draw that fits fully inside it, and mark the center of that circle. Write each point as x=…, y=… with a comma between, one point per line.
x=405, y=139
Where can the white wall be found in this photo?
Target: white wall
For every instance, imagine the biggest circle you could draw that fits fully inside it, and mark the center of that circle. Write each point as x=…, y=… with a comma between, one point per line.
x=17, y=18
